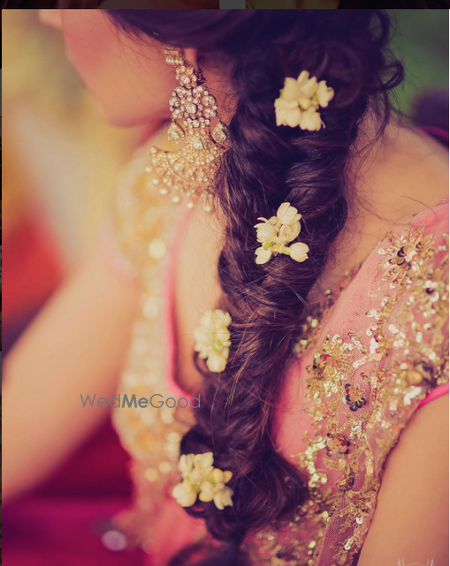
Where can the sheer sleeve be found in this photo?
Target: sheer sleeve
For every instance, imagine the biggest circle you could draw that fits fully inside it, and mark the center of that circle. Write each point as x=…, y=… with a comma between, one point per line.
x=419, y=325
x=389, y=363
x=382, y=348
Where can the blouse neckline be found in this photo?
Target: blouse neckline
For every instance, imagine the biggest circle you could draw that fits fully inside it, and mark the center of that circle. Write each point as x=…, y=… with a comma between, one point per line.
x=318, y=309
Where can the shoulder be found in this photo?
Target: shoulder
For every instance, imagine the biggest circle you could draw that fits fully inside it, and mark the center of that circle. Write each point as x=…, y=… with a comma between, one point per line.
x=415, y=166
x=411, y=517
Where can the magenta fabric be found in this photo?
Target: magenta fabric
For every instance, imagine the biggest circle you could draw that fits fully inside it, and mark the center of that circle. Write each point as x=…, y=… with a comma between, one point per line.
x=63, y=531
x=435, y=394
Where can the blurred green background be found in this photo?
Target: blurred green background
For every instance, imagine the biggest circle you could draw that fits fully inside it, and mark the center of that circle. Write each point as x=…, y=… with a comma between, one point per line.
x=421, y=43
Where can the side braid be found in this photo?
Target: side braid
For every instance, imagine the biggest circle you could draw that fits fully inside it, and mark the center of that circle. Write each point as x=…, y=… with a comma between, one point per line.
x=265, y=166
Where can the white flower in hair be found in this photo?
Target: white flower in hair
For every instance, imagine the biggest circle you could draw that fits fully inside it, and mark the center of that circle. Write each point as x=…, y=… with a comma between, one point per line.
x=299, y=251
x=310, y=120
x=213, y=339
x=214, y=489
x=185, y=493
x=324, y=94
x=276, y=232
x=287, y=214
x=202, y=480
x=299, y=101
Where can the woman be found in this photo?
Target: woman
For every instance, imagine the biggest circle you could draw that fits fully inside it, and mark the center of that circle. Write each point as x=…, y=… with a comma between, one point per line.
x=298, y=303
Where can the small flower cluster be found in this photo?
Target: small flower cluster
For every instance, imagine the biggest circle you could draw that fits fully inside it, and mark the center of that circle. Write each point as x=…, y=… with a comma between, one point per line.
x=213, y=339
x=299, y=101
x=202, y=480
x=278, y=231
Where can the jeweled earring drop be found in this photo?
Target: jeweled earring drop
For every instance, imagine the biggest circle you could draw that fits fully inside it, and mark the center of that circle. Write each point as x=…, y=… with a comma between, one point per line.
x=190, y=171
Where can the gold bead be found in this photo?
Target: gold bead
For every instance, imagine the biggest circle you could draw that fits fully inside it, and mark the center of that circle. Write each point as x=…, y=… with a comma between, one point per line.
x=414, y=377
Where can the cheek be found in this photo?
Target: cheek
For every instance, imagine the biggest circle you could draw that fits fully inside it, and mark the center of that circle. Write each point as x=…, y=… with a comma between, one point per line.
x=129, y=80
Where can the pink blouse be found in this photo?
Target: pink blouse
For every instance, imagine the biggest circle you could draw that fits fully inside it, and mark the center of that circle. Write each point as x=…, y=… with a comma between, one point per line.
x=371, y=352
x=295, y=427
x=169, y=300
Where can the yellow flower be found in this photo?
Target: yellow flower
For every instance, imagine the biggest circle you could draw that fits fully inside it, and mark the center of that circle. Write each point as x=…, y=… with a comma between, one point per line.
x=185, y=494
x=299, y=100
x=214, y=489
x=213, y=339
x=288, y=233
x=262, y=255
x=266, y=230
x=287, y=214
x=307, y=86
x=324, y=94
x=274, y=233
x=202, y=480
x=299, y=251
x=310, y=120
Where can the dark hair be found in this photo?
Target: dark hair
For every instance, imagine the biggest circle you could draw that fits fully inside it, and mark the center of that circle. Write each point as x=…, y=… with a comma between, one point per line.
x=265, y=166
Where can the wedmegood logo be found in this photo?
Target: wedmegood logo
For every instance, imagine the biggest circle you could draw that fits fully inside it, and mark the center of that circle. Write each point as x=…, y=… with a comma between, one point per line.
x=156, y=401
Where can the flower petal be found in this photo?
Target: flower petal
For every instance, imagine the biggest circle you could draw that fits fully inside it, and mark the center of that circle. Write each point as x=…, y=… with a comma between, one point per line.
x=324, y=94
x=287, y=115
x=205, y=460
x=217, y=363
x=227, y=475
x=288, y=233
x=223, y=498
x=303, y=78
x=265, y=232
x=291, y=90
x=184, y=498
x=212, y=339
x=308, y=88
x=262, y=255
x=299, y=251
x=287, y=214
x=310, y=120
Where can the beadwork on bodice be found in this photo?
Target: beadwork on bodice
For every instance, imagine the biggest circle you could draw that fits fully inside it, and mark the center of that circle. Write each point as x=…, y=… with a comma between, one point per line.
x=362, y=385
x=362, y=389
x=144, y=223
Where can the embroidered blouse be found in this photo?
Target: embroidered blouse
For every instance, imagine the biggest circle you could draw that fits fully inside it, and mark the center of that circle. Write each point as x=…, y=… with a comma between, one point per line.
x=374, y=349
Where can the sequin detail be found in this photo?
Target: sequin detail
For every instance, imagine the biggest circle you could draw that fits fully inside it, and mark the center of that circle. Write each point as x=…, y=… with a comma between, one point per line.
x=145, y=223
x=362, y=387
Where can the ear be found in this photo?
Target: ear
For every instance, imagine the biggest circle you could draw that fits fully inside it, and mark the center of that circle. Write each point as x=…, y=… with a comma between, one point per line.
x=191, y=54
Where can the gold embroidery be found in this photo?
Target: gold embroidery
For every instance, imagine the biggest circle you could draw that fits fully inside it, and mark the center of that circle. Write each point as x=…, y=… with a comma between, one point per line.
x=359, y=413
x=144, y=226
x=363, y=387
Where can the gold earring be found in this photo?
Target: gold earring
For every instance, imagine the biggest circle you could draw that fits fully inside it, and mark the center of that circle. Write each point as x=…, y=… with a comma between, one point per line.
x=189, y=171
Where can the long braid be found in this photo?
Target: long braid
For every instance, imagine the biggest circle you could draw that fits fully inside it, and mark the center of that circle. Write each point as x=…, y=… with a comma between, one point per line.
x=265, y=166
